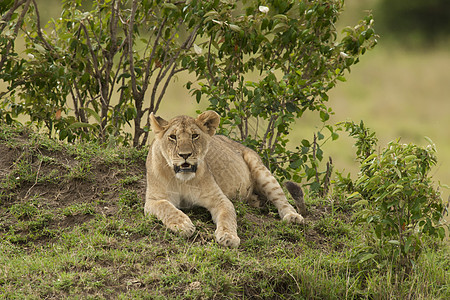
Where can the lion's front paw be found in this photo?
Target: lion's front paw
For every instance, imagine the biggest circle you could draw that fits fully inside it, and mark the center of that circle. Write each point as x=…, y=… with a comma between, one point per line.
x=227, y=239
x=294, y=218
x=182, y=225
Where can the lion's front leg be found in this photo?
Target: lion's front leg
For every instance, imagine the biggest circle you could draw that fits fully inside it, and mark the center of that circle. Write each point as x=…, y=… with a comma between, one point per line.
x=172, y=217
x=224, y=215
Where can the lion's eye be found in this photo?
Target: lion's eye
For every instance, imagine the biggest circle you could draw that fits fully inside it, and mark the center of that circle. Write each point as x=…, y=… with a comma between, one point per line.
x=172, y=137
x=195, y=136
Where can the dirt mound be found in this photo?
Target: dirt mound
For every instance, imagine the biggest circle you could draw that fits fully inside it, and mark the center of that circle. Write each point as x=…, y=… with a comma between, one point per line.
x=74, y=183
x=46, y=184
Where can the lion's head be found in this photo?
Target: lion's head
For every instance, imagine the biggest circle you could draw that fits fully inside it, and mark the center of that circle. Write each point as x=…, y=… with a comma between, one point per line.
x=184, y=141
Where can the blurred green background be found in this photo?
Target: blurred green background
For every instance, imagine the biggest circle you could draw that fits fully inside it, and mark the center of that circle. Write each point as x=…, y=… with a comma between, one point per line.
x=400, y=89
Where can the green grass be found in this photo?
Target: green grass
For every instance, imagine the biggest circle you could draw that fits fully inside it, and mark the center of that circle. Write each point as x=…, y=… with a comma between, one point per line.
x=85, y=236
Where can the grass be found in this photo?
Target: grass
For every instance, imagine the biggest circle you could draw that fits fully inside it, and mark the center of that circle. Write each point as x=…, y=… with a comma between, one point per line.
x=85, y=236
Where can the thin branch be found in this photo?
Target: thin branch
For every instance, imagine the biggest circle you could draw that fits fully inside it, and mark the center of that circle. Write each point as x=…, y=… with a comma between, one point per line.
x=95, y=63
x=113, y=50
x=166, y=84
x=208, y=62
x=186, y=45
x=124, y=53
x=39, y=30
x=150, y=60
x=16, y=30
x=130, y=49
x=162, y=73
x=77, y=98
x=268, y=130
x=314, y=157
x=91, y=50
x=7, y=17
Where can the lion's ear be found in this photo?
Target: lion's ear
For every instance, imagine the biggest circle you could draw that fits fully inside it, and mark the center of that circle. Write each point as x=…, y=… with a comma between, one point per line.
x=157, y=124
x=208, y=121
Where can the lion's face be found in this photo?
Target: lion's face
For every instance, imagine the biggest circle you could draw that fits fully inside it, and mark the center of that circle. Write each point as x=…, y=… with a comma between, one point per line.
x=184, y=141
x=185, y=146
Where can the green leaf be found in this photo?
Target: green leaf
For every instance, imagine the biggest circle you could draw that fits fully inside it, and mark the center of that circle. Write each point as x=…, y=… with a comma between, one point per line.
x=360, y=202
x=296, y=164
x=394, y=242
x=429, y=140
x=235, y=28
x=93, y=113
x=291, y=107
x=280, y=17
x=211, y=13
x=280, y=27
x=408, y=243
x=169, y=5
x=334, y=136
x=366, y=257
x=324, y=116
x=354, y=195
x=369, y=159
x=39, y=48
x=80, y=125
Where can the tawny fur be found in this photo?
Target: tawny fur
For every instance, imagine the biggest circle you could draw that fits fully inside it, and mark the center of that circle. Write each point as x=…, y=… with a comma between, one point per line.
x=224, y=170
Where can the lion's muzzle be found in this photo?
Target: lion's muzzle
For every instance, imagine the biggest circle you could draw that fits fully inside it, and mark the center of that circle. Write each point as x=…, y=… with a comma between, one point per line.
x=185, y=168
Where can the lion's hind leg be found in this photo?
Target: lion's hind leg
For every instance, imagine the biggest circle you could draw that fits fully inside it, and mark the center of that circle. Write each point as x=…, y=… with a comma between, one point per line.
x=267, y=185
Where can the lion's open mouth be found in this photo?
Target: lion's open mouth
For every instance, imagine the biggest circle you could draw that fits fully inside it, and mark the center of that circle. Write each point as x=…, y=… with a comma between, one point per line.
x=185, y=168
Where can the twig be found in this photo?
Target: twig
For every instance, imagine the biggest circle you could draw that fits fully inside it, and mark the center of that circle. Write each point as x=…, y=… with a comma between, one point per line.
x=39, y=30
x=130, y=50
x=314, y=158
x=208, y=62
x=35, y=182
x=7, y=17
x=19, y=23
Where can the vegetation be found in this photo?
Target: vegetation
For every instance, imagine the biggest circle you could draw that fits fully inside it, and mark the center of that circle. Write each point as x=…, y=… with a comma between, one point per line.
x=399, y=203
x=71, y=221
x=125, y=48
x=86, y=236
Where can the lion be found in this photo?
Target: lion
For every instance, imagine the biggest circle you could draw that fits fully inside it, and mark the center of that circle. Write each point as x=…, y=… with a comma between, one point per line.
x=189, y=165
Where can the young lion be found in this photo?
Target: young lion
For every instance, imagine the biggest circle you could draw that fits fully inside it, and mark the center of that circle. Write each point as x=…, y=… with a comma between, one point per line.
x=188, y=165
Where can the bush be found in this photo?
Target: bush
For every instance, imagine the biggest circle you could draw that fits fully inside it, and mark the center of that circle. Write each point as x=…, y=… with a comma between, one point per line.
x=399, y=203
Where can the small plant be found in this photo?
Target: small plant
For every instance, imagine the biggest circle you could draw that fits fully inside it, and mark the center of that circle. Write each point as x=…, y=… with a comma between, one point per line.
x=24, y=211
x=398, y=200
x=332, y=226
x=129, y=198
x=81, y=208
x=80, y=171
x=129, y=180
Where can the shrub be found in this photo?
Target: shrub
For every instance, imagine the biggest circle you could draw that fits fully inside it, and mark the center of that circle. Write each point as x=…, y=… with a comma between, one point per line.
x=399, y=203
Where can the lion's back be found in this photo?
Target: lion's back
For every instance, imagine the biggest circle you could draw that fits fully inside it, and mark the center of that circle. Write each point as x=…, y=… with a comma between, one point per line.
x=227, y=165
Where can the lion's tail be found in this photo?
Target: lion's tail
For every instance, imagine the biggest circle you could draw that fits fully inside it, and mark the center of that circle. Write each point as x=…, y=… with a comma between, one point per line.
x=297, y=194
x=266, y=184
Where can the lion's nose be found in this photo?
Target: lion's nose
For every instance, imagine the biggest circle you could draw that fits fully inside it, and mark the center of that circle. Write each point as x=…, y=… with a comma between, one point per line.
x=184, y=155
